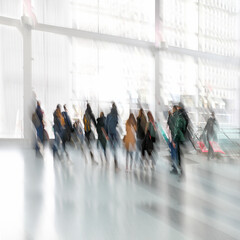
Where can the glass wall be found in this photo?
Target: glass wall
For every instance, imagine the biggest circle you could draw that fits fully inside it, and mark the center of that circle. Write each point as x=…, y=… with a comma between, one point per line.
x=180, y=23
x=74, y=71
x=204, y=25
x=11, y=83
x=50, y=71
x=218, y=27
x=11, y=8
x=202, y=85
x=132, y=19
x=210, y=26
x=112, y=72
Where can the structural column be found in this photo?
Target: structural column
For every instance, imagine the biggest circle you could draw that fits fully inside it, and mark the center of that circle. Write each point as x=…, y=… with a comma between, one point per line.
x=158, y=40
x=27, y=84
x=156, y=53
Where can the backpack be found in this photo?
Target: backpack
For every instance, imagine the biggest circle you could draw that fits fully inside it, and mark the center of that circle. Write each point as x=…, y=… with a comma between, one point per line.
x=87, y=122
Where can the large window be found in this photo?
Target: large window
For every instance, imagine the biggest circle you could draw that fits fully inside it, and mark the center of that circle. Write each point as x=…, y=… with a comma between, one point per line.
x=180, y=23
x=74, y=71
x=106, y=72
x=202, y=85
x=11, y=8
x=11, y=83
x=126, y=18
x=51, y=72
x=218, y=27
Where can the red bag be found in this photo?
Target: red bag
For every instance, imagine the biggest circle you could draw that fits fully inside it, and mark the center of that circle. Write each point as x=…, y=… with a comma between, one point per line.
x=216, y=147
x=202, y=146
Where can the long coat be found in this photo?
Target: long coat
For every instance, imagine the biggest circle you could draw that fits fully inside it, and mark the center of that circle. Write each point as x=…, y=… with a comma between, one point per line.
x=101, y=124
x=130, y=139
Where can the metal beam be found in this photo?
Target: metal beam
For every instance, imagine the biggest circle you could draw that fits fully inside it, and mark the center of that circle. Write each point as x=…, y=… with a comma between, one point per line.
x=204, y=55
x=10, y=22
x=121, y=40
x=93, y=36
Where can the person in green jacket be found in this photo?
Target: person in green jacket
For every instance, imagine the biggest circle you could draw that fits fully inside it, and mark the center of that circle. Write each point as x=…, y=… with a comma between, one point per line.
x=178, y=130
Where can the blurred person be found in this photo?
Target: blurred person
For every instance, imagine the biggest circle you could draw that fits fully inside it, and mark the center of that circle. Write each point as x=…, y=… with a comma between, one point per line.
x=178, y=138
x=169, y=129
x=169, y=134
x=130, y=139
x=40, y=129
x=141, y=126
x=111, y=127
x=211, y=131
x=37, y=119
x=149, y=140
x=78, y=130
x=102, y=133
x=68, y=123
x=189, y=126
x=182, y=111
x=88, y=119
x=172, y=117
x=59, y=131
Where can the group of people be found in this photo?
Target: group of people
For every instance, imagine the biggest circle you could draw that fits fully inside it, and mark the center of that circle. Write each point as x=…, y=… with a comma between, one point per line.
x=141, y=134
x=180, y=131
x=139, y=141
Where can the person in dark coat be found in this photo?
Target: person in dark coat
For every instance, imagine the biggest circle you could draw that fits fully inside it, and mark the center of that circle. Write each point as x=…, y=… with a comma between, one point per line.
x=59, y=130
x=68, y=123
x=88, y=119
x=40, y=128
x=150, y=138
x=102, y=133
x=178, y=137
x=141, y=126
x=111, y=127
x=189, y=131
x=211, y=130
x=182, y=111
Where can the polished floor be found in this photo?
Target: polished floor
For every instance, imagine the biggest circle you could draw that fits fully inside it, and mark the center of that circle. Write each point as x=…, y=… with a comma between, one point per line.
x=43, y=198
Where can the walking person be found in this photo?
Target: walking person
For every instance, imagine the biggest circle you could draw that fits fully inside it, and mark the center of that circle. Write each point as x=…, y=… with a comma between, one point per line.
x=38, y=122
x=79, y=136
x=141, y=126
x=111, y=127
x=211, y=131
x=59, y=132
x=68, y=123
x=172, y=117
x=178, y=138
x=149, y=140
x=102, y=133
x=88, y=119
x=130, y=139
x=189, y=130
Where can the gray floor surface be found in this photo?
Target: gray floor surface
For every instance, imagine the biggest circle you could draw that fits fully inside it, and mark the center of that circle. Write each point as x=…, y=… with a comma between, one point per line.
x=43, y=198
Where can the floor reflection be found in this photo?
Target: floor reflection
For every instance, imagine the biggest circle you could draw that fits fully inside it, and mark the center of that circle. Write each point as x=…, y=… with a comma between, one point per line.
x=45, y=198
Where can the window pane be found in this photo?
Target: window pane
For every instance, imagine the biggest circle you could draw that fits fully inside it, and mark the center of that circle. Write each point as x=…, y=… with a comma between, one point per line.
x=50, y=72
x=11, y=8
x=126, y=18
x=11, y=83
